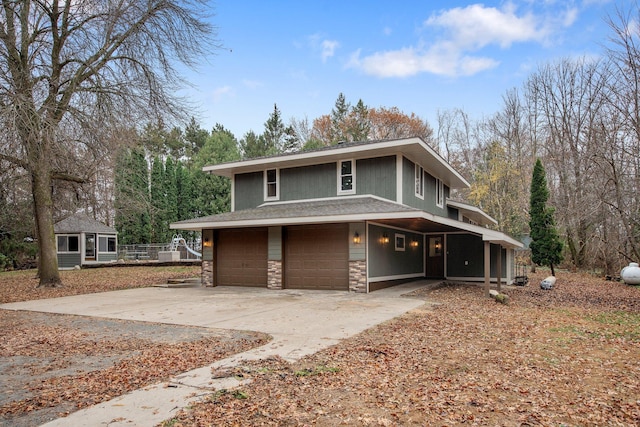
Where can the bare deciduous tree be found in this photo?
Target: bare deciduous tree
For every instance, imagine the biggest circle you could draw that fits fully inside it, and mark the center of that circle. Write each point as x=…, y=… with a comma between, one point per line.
x=73, y=72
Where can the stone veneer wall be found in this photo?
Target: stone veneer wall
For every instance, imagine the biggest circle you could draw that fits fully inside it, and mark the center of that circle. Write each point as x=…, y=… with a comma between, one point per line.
x=358, y=276
x=207, y=273
x=274, y=274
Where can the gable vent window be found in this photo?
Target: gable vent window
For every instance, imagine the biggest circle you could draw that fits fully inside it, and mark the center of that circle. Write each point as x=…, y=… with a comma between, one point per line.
x=347, y=177
x=419, y=181
x=271, y=185
x=439, y=193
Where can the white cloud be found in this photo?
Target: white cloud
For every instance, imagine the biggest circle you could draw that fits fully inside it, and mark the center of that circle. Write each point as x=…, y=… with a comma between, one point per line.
x=477, y=26
x=328, y=49
x=324, y=47
x=463, y=32
x=251, y=84
x=222, y=92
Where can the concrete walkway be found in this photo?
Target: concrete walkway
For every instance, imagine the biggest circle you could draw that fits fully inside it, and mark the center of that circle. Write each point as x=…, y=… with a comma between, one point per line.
x=301, y=323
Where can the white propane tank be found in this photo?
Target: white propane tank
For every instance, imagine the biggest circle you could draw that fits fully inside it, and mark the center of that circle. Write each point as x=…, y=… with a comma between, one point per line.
x=631, y=274
x=548, y=283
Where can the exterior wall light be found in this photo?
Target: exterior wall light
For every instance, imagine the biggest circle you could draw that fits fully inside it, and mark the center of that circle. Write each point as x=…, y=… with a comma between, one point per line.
x=206, y=243
x=414, y=244
x=384, y=239
x=356, y=238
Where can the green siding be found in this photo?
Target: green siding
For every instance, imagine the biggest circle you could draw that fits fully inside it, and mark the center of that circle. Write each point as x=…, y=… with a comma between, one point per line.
x=409, y=193
x=470, y=248
x=453, y=213
x=249, y=190
x=275, y=244
x=107, y=256
x=461, y=249
x=207, y=251
x=357, y=251
x=308, y=182
x=376, y=176
x=68, y=260
x=385, y=261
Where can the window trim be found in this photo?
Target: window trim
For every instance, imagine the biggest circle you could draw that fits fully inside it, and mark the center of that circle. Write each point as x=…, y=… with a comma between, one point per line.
x=353, y=176
x=439, y=193
x=66, y=236
x=107, y=237
x=266, y=184
x=400, y=242
x=419, y=181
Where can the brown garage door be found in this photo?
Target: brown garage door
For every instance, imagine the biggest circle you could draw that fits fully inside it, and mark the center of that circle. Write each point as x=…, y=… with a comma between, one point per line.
x=242, y=257
x=316, y=257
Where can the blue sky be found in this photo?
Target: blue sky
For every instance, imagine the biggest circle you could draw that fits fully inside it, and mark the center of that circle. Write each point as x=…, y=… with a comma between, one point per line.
x=419, y=56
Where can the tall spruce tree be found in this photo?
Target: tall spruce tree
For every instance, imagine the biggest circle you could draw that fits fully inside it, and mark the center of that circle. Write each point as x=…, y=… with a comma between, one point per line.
x=546, y=247
x=131, y=202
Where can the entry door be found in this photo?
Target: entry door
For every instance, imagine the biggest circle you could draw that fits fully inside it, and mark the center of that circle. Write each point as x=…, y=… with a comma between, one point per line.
x=435, y=257
x=90, y=247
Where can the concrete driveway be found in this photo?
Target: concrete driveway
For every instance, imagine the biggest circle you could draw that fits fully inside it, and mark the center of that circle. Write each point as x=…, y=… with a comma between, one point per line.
x=301, y=323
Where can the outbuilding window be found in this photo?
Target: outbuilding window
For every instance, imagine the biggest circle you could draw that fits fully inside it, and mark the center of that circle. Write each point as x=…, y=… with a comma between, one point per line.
x=106, y=244
x=68, y=244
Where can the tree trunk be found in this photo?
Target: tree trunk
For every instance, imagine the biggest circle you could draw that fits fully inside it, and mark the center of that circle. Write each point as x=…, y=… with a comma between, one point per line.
x=43, y=209
x=553, y=272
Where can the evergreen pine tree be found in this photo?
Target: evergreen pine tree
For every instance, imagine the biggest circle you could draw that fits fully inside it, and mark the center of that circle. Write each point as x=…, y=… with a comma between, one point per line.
x=339, y=116
x=546, y=247
x=158, y=202
x=359, y=125
x=274, y=132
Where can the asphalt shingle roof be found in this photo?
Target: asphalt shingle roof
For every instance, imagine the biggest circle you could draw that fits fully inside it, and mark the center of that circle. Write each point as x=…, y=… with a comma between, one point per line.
x=327, y=207
x=81, y=223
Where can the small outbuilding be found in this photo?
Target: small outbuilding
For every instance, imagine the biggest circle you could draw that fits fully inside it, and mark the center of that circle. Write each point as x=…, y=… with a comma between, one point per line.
x=82, y=240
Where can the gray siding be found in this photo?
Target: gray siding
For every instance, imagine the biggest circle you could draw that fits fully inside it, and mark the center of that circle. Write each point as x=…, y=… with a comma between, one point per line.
x=107, y=256
x=453, y=213
x=68, y=260
x=249, y=190
x=469, y=248
x=308, y=182
x=207, y=251
x=409, y=194
x=376, y=176
x=385, y=261
x=275, y=244
x=357, y=251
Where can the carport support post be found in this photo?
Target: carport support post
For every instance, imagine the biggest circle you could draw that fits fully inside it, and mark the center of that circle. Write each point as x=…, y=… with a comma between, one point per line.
x=499, y=269
x=487, y=268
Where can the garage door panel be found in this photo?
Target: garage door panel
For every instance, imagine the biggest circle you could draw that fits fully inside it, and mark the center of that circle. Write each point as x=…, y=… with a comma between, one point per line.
x=242, y=257
x=316, y=257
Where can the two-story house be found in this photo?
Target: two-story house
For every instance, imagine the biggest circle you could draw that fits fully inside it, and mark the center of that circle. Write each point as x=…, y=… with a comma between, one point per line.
x=356, y=216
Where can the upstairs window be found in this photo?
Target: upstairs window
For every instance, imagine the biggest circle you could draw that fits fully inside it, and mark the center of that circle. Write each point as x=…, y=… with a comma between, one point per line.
x=346, y=177
x=271, y=189
x=419, y=175
x=439, y=193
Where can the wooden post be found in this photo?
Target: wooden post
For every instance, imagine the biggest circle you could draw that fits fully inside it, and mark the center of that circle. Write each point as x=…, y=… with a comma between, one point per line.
x=487, y=268
x=499, y=269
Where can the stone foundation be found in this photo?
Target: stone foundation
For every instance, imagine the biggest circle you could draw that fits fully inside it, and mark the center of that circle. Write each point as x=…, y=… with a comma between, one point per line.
x=207, y=273
x=274, y=274
x=358, y=276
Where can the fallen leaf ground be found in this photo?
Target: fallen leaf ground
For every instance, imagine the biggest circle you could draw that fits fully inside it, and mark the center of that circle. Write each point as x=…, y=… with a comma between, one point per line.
x=566, y=357
x=51, y=365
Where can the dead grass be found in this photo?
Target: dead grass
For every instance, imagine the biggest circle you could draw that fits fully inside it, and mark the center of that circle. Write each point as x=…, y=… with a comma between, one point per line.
x=568, y=357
